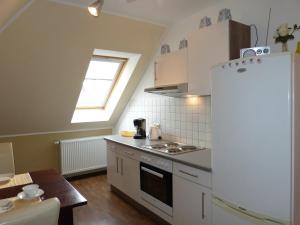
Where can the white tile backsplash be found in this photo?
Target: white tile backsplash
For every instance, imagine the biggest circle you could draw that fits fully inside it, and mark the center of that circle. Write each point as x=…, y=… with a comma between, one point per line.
x=185, y=120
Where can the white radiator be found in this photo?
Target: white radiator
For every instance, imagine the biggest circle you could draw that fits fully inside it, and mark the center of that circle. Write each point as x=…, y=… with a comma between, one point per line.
x=84, y=154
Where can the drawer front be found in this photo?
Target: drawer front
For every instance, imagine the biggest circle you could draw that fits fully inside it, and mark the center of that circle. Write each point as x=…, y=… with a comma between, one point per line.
x=192, y=174
x=123, y=150
x=129, y=152
x=110, y=145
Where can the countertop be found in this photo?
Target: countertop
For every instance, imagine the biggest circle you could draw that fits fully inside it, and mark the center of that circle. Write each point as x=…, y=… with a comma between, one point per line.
x=200, y=159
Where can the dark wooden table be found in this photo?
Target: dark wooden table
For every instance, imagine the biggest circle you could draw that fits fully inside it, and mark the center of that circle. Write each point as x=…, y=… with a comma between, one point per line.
x=54, y=185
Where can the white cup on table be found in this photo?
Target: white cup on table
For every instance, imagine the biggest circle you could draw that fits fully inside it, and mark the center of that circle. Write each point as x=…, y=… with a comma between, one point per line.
x=31, y=190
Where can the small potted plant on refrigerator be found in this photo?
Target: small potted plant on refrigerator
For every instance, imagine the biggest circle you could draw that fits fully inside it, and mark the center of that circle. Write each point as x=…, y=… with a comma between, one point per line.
x=284, y=33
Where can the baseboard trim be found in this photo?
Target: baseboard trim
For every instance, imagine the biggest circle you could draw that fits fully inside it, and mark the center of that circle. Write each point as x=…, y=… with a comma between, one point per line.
x=85, y=174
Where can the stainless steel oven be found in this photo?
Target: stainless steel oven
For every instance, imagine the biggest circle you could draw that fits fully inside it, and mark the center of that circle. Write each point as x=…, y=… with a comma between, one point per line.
x=156, y=183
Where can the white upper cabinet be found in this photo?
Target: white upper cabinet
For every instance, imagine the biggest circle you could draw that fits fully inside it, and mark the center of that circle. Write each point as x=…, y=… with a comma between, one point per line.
x=206, y=47
x=171, y=68
x=210, y=46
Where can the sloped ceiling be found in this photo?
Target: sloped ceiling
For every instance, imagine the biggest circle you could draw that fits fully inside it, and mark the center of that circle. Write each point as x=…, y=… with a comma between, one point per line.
x=9, y=8
x=44, y=55
x=165, y=12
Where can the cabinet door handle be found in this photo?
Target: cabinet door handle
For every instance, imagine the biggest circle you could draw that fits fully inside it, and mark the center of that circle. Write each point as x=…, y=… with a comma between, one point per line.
x=155, y=65
x=122, y=167
x=117, y=159
x=203, y=205
x=152, y=172
x=189, y=174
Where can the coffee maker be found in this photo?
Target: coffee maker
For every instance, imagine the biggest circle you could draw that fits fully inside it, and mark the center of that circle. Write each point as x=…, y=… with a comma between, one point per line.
x=140, y=125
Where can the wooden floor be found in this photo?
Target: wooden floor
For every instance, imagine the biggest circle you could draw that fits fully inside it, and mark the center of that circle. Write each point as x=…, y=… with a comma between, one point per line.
x=104, y=207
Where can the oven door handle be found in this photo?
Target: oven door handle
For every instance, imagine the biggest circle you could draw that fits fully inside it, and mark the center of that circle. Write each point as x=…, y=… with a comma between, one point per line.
x=152, y=172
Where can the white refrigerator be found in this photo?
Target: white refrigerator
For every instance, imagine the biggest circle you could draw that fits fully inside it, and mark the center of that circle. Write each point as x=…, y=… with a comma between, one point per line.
x=255, y=127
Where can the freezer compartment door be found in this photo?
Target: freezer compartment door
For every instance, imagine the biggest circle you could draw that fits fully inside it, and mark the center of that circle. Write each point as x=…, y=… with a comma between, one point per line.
x=225, y=213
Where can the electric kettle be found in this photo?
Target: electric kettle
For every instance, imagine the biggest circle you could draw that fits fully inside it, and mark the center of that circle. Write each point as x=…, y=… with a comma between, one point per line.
x=155, y=132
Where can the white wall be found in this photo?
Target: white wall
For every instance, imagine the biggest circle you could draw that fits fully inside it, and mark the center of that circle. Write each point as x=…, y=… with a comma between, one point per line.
x=188, y=120
x=248, y=12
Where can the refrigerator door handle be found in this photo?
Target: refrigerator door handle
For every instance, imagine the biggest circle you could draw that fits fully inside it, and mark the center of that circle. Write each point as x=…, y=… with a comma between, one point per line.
x=248, y=215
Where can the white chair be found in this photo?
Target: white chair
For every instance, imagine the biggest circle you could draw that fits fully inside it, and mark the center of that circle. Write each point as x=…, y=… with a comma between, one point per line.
x=7, y=165
x=42, y=213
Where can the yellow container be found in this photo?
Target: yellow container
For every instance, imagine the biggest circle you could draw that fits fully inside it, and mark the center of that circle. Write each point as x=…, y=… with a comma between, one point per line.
x=127, y=133
x=298, y=48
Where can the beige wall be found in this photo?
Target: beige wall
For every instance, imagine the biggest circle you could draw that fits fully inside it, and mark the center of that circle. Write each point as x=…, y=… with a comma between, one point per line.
x=36, y=152
x=44, y=56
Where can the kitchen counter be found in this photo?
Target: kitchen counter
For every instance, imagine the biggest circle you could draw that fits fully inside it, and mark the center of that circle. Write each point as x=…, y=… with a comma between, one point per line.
x=200, y=159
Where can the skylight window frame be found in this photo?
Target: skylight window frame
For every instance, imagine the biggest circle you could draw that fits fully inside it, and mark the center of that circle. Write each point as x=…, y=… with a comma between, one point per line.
x=122, y=62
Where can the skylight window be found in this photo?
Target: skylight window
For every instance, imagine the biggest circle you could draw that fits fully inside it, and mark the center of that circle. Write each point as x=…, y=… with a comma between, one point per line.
x=106, y=78
x=102, y=74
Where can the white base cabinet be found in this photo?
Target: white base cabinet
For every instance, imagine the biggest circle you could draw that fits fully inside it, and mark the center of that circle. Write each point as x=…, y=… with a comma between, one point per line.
x=113, y=175
x=191, y=201
x=191, y=187
x=123, y=169
x=130, y=175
